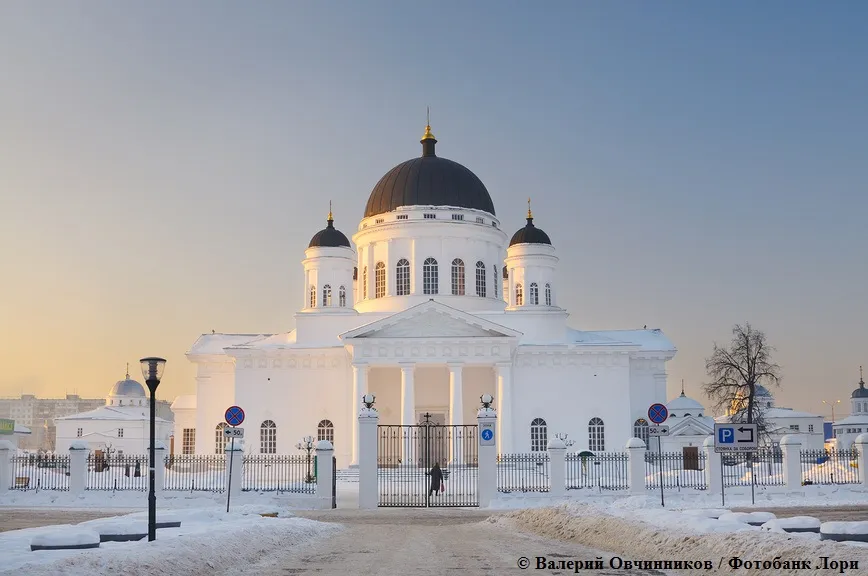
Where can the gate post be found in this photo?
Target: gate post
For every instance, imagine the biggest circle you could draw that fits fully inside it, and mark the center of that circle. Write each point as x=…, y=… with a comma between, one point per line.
x=159, y=466
x=324, y=473
x=78, y=451
x=713, y=466
x=558, y=468
x=7, y=449
x=237, y=456
x=636, y=450
x=369, y=418
x=861, y=445
x=487, y=474
x=792, y=448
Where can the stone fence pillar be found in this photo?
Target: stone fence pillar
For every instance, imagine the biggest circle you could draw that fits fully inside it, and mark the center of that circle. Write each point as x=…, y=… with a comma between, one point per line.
x=235, y=464
x=792, y=448
x=159, y=466
x=324, y=473
x=636, y=451
x=861, y=445
x=558, y=468
x=7, y=450
x=78, y=451
x=369, y=418
x=487, y=473
x=713, y=465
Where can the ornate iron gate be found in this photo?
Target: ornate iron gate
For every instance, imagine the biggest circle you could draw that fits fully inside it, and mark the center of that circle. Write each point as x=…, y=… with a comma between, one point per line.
x=406, y=456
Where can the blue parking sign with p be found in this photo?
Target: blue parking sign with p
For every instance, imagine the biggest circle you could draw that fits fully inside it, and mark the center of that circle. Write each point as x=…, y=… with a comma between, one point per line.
x=725, y=435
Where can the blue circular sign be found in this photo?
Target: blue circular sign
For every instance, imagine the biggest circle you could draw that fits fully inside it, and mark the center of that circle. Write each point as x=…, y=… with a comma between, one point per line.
x=234, y=416
x=658, y=413
x=487, y=434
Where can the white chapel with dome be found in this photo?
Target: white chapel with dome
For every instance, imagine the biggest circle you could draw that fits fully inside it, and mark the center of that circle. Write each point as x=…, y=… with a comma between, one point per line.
x=431, y=305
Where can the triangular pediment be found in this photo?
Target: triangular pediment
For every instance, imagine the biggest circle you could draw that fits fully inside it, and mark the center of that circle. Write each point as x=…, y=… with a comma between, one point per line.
x=690, y=427
x=431, y=320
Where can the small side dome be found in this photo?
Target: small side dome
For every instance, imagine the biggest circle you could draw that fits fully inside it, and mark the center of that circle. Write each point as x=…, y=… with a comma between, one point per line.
x=684, y=402
x=329, y=237
x=530, y=234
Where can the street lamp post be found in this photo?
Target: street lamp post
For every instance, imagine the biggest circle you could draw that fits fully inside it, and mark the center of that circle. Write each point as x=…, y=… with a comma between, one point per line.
x=307, y=444
x=832, y=404
x=152, y=370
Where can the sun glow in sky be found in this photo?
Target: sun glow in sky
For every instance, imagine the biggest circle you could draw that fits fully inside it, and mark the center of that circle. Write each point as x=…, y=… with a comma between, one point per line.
x=163, y=166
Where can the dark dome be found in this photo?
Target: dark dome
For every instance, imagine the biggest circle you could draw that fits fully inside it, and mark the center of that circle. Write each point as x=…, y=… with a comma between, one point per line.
x=329, y=237
x=530, y=234
x=428, y=181
x=861, y=391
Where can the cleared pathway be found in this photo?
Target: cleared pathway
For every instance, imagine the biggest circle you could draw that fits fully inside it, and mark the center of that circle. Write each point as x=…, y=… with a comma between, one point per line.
x=422, y=542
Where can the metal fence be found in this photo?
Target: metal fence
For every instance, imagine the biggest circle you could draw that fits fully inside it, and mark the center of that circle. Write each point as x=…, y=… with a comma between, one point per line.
x=124, y=472
x=675, y=470
x=279, y=473
x=40, y=472
x=829, y=466
x=192, y=472
x=523, y=472
x=761, y=468
x=604, y=471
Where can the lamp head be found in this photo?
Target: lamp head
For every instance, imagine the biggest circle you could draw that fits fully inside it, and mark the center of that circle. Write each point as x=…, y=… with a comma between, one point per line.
x=368, y=400
x=152, y=370
x=486, y=400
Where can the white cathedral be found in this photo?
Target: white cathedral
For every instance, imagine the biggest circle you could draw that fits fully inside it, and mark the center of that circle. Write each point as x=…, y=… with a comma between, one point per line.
x=435, y=306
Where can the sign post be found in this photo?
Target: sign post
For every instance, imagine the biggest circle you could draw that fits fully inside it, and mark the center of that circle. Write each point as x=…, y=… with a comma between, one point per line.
x=658, y=413
x=736, y=437
x=234, y=417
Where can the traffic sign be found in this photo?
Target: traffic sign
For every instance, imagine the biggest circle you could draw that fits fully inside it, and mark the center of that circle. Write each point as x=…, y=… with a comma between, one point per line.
x=234, y=416
x=735, y=438
x=486, y=434
x=658, y=430
x=233, y=432
x=658, y=413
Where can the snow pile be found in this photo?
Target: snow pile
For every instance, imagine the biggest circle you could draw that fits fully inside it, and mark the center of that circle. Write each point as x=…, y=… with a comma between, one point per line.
x=134, y=499
x=714, y=513
x=844, y=531
x=793, y=524
x=208, y=541
x=752, y=518
x=665, y=539
x=65, y=538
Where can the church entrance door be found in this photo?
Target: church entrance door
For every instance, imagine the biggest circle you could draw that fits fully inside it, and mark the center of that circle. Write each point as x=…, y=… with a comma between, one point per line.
x=406, y=456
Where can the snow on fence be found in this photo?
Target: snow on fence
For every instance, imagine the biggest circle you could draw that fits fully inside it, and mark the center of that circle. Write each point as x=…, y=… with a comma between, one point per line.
x=192, y=472
x=674, y=470
x=40, y=472
x=762, y=468
x=272, y=472
x=523, y=472
x=604, y=470
x=123, y=472
x=830, y=466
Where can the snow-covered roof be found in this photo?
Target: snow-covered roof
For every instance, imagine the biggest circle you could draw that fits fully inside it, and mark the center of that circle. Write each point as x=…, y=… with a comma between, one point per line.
x=114, y=413
x=690, y=426
x=852, y=419
x=647, y=339
x=787, y=413
x=19, y=429
x=186, y=402
x=282, y=340
x=684, y=403
x=215, y=343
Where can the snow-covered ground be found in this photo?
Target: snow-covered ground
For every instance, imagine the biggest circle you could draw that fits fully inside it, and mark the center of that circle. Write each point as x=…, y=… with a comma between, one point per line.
x=208, y=538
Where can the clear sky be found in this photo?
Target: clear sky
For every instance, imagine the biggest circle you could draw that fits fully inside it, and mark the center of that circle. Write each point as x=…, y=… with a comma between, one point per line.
x=163, y=165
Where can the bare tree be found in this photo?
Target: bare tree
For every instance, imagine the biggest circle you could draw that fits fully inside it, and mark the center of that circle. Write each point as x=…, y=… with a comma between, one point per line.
x=736, y=371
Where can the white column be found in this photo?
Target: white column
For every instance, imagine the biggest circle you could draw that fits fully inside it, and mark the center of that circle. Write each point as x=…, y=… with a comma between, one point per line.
x=235, y=452
x=456, y=412
x=324, y=473
x=713, y=465
x=408, y=412
x=861, y=445
x=792, y=448
x=360, y=388
x=487, y=472
x=415, y=269
x=557, y=468
x=7, y=449
x=368, y=473
x=78, y=451
x=503, y=398
x=159, y=465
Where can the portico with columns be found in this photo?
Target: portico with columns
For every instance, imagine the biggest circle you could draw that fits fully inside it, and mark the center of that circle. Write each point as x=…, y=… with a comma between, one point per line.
x=431, y=359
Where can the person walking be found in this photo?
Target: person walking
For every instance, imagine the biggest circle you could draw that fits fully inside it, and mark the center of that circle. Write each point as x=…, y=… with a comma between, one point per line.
x=436, y=479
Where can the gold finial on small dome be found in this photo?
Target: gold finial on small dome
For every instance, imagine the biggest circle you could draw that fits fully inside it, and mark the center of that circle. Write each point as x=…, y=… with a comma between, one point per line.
x=330, y=219
x=529, y=213
x=428, y=135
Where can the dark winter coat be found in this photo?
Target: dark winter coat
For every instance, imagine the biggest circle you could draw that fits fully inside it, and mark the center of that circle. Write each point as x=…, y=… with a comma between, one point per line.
x=436, y=477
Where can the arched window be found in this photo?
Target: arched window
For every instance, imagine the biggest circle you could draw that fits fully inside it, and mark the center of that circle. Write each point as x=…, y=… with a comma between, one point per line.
x=327, y=295
x=480, y=279
x=268, y=438
x=219, y=439
x=458, y=277
x=325, y=430
x=494, y=286
x=539, y=435
x=519, y=295
x=430, y=278
x=342, y=296
x=402, y=277
x=365, y=283
x=312, y=296
x=548, y=294
x=534, y=293
x=596, y=438
x=379, y=280
x=640, y=430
